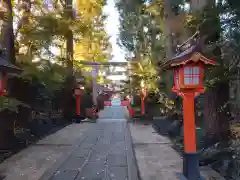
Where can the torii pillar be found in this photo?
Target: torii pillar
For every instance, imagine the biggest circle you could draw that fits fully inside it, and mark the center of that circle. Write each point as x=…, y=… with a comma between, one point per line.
x=94, y=84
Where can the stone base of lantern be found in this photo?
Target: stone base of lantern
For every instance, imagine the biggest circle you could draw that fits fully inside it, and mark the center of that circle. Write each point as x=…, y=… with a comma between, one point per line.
x=78, y=119
x=182, y=177
x=191, y=169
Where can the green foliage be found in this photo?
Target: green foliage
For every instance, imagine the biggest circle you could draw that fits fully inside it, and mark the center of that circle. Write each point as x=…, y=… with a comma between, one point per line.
x=9, y=103
x=93, y=44
x=141, y=33
x=220, y=39
x=41, y=47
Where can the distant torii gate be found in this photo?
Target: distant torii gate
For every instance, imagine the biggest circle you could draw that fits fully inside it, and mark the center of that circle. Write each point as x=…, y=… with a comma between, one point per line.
x=109, y=63
x=95, y=71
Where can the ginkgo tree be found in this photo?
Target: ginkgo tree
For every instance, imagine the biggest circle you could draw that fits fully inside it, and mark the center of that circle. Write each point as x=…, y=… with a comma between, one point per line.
x=94, y=44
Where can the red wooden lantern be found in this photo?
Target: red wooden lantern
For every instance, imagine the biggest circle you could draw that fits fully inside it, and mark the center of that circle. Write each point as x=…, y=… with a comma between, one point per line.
x=188, y=70
x=2, y=83
x=188, y=76
x=5, y=67
x=78, y=91
x=144, y=92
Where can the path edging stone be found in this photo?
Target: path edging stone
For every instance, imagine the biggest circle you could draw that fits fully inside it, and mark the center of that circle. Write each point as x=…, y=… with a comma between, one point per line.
x=133, y=170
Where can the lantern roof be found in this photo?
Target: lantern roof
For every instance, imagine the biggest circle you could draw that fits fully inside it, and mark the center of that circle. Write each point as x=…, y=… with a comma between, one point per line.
x=6, y=66
x=191, y=54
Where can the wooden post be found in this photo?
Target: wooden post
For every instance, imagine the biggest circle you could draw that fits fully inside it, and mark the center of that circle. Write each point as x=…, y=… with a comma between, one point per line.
x=2, y=85
x=189, y=126
x=190, y=157
x=142, y=106
x=131, y=112
x=130, y=109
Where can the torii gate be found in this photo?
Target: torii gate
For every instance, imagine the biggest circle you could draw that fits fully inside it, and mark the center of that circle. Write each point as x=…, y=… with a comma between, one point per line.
x=95, y=70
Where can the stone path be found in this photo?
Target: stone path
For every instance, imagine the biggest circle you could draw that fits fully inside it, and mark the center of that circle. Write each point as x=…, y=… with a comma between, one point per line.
x=32, y=162
x=99, y=151
x=156, y=158
x=105, y=153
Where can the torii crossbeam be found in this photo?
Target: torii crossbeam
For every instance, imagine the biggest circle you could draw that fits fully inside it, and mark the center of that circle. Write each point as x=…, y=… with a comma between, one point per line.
x=108, y=63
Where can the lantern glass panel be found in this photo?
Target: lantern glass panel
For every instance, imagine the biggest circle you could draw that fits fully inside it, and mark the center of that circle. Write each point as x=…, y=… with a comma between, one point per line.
x=191, y=75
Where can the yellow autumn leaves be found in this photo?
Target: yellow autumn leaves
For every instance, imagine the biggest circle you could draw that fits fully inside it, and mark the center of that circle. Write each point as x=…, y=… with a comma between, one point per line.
x=94, y=44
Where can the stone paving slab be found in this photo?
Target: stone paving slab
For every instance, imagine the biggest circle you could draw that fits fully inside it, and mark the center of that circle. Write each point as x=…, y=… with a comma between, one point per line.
x=155, y=157
x=73, y=163
x=118, y=173
x=93, y=171
x=65, y=175
x=32, y=162
x=104, y=154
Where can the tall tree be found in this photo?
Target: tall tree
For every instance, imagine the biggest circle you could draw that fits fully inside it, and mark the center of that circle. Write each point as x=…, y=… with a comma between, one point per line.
x=7, y=35
x=141, y=33
x=94, y=44
x=69, y=35
x=216, y=109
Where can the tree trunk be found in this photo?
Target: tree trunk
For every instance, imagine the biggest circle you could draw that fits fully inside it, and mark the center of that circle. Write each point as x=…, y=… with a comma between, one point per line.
x=69, y=105
x=210, y=114
x=69, y=36
x=168, y=15
x=216, y=113
x=216, y=109
x=7, y=39
x=223, y=114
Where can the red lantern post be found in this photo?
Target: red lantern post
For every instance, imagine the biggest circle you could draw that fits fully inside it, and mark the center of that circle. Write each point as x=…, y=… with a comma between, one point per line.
x=130, y=109
x=188, y=69
x=144, y=94
x=3, y=84
x=6, y=68
x=78, y=93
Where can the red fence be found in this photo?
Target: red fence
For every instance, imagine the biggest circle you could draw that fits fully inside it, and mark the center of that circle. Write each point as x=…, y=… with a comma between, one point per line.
x=107, y=103
x=124, y=103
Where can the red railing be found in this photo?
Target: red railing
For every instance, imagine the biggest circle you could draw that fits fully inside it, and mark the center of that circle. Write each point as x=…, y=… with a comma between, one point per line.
x=107, y=103
x=124, y=103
